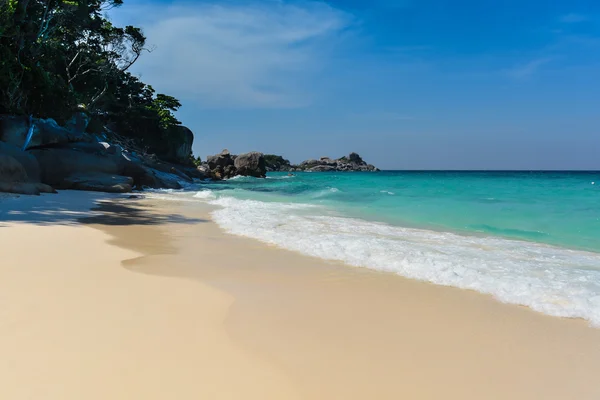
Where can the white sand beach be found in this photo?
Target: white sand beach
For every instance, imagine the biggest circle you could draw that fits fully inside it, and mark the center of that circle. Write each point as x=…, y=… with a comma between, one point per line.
x=143, y=299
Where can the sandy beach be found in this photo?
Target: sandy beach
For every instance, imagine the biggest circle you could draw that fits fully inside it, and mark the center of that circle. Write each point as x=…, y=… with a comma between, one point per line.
x=149, y=299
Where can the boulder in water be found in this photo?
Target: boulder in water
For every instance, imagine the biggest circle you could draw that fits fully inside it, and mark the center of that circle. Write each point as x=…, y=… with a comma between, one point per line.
x=276, y=163
x=251, y=164
x=222, y=160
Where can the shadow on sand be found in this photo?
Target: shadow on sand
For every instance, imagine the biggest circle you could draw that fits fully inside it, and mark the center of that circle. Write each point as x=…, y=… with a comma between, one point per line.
x=71, y=208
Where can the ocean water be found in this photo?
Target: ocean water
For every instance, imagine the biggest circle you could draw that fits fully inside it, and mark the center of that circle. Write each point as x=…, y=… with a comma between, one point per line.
x=529, y=238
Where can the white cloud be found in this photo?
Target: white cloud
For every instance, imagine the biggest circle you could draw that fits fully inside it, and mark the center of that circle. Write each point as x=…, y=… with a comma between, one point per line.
x=526, y=70
x=261, y=54
x=573, y=18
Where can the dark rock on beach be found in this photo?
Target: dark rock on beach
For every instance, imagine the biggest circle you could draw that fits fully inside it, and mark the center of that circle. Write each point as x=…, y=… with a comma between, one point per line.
x=68, y=158
x=27, y=160
x=99, y=182
x=178, y=145
x=14, y=178
x=39, y=155
x=14, y=130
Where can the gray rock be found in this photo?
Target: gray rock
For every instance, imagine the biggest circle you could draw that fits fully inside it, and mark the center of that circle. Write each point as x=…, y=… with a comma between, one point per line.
x=169, y=169
x=142, y=175
x=229, y=172
x=309, y=163
x=322, y=168
x=328, y=161
x=98, y=148
x=355, y=158
x=28, y=188
x=11, y=170
x=27, y=160
x=99, y=182
x=181, y=174
x=78, y=123
x=176, y=147
x=204, y=170
x=222, y=160
x=14, y=178
x=14, y=130
x=276, y=163
x=56, y=164
x=166, y=180
x=47, y=131
x=184, y=151
x=112, y=148
x=353, y=162
x=251, y=164
x=146, y=176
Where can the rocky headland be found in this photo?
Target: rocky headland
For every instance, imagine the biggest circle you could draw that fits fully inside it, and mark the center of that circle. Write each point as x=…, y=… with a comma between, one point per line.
x=226, y=165
x=350, y=163
x=38, y=155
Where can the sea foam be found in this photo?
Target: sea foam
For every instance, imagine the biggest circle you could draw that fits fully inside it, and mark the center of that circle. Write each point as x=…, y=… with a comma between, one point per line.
x=204, y=194
x=551, y=280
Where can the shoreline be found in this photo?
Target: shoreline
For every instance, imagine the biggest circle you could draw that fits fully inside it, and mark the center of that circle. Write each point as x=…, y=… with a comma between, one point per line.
x=282, y=325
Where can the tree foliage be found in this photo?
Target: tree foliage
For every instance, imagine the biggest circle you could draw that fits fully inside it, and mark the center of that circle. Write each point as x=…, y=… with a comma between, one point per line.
x=59, y=56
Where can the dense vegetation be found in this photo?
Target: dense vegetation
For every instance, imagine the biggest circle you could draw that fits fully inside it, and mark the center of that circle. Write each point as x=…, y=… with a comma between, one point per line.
x=60, y=56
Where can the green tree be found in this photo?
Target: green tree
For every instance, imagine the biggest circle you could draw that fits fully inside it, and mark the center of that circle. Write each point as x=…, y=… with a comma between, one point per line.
x=58, y=56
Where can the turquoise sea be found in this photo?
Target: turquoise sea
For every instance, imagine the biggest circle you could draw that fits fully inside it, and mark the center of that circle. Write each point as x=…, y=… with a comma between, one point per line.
x=530, y=238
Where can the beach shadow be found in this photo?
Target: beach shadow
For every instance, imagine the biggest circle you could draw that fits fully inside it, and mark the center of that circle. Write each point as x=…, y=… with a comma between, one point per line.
x=129, y=212
x=72, y=208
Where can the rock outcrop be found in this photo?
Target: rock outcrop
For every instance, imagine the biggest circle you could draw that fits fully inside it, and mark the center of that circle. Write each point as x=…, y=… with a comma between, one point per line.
x=178, y=145
x=222, y=160
x=277, y=163
x=352, y=162
x=11, y=170
x=14, y=178
x=14, y=130
x=68, y=158
x=225, y=165
x=183, y=151
x=322, y=168
x=222, y=165
x=251, y=164
x=27, y=160
x=69, y=167
x=99, y=182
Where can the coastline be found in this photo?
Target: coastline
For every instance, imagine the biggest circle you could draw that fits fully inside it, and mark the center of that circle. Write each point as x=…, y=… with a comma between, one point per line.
x=169, y=305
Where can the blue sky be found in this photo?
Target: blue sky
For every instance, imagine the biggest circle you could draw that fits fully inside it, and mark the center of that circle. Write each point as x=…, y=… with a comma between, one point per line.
x=428, y=84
